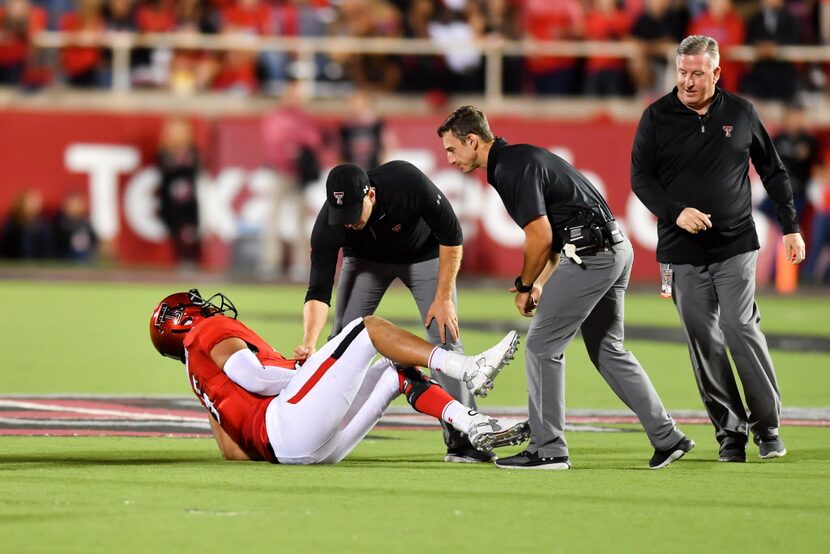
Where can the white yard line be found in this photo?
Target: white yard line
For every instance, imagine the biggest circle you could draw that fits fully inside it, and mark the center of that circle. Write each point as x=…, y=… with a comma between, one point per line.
x=106, y=423
x=117, y=414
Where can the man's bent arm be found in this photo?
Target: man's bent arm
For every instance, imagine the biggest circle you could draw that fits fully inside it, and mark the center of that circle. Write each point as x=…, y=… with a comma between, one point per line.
x=538, y=243
x=537, y=254
x=644, y=182
x=315, y=314
x=442, y=308
x=550, y=267
x=773, y=175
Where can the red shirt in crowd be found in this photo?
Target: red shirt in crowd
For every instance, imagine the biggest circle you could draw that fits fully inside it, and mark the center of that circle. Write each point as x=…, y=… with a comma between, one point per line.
x=14, y=48
x=79, y=59
x=239, y=67
x=546, y=20
x=238, y=71
x=157, y=18
x=729, y=31
x=252, y=19
x=605, y=26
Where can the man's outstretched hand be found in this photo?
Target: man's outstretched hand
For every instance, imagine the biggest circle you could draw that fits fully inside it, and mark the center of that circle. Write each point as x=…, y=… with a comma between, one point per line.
x=303, y=351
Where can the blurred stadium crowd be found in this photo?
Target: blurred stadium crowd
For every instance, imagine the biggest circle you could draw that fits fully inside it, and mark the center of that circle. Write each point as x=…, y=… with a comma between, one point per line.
x=36, y=224
x=648, y=26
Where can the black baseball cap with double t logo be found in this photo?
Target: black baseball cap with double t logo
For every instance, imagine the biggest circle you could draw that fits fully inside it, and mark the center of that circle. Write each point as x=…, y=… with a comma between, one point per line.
x=346, y=186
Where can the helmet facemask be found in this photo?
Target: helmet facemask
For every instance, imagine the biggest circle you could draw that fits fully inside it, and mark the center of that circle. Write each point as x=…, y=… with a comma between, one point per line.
x=178, y=313
x=225, y=306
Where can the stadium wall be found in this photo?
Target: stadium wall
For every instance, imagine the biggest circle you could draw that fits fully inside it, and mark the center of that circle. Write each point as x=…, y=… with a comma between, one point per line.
x=110, y=157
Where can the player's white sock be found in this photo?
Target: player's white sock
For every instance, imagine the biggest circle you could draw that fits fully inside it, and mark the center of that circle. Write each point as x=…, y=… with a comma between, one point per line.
x=459, y=416
x=449, y=363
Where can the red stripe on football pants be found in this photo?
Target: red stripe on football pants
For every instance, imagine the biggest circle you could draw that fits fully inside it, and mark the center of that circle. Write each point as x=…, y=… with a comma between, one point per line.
x=308, y=385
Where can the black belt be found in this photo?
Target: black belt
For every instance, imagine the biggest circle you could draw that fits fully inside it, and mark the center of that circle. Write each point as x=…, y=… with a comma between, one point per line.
x=593, y=251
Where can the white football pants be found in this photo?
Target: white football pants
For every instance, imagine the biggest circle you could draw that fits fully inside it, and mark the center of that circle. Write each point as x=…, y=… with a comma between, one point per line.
x=333, y=402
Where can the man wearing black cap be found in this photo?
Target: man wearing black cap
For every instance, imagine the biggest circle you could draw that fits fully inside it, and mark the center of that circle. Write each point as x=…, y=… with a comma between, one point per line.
x=392, y=223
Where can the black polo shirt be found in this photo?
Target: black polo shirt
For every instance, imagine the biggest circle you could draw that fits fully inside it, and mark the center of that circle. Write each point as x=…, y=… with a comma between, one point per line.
x=532, y=181
x=682, y=159
x=409, y=221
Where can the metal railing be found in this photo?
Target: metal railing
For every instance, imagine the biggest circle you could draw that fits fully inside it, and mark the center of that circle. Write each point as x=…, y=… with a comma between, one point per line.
x=306, y=48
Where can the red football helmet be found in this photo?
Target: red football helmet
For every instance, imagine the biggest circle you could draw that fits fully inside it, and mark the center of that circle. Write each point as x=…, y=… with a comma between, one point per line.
x=177, y=314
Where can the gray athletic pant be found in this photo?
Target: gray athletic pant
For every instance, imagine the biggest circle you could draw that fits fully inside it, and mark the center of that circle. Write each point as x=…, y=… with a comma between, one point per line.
x=590, y=299
x=716, y=303
x=362, y=286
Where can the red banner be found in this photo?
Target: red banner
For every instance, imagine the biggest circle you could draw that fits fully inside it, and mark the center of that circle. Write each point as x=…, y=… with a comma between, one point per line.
x=110, y=158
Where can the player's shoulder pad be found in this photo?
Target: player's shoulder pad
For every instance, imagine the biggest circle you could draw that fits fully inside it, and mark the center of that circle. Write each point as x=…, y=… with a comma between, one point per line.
x=212, y=329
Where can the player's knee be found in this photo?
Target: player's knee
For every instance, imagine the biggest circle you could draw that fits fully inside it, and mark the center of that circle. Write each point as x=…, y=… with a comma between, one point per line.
x=372, y=323
x=414, y=383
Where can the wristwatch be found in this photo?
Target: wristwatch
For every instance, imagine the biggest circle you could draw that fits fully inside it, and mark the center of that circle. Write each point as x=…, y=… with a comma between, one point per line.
x=520, y=286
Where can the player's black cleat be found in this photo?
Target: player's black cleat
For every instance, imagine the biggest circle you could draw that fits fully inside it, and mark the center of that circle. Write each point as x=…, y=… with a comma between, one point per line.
x=460, y=450
x=532, y=460
x=469, y=455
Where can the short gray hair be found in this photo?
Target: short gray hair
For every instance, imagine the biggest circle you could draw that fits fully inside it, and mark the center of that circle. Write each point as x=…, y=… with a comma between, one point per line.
x=699, y=44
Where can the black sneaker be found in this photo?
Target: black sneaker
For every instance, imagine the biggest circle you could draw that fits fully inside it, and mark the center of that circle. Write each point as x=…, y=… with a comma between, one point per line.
x=771, y=447
x=733, y=455
x=469, y=455
x=532, y=460
x=460, y=449
x=662, y=458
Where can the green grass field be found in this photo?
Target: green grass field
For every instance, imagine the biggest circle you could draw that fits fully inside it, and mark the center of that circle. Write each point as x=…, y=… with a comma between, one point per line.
x=121, y=495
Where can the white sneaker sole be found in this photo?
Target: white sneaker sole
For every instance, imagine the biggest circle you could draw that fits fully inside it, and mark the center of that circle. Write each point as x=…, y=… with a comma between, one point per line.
x=510, y=347
x=774, y=454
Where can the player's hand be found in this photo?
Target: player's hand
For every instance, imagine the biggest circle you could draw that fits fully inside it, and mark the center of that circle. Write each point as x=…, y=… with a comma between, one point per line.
x=794, y=248
x=694, y=221
x=535, y=297
x=303, y=351
x=443, y=312
x=525, y=303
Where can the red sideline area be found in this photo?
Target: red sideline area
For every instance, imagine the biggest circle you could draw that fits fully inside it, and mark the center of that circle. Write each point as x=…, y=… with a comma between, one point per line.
x=109, y=157
x=185, y=417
